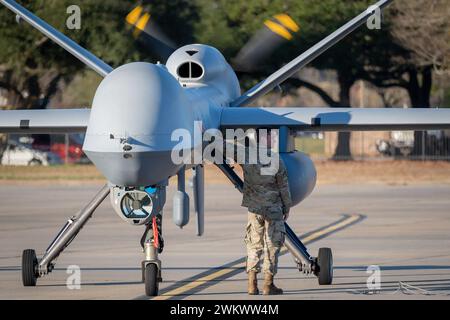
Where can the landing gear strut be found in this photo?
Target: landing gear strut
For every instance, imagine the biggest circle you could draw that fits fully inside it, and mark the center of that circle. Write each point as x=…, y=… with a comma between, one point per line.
x=32, y=268
x=321, y=267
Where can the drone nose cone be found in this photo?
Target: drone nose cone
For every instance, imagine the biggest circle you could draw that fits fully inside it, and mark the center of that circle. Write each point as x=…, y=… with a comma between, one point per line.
x=135, y=110
x=139, y=98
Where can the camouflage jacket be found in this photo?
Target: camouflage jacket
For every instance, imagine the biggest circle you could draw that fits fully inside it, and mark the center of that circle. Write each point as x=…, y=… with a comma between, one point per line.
x=266, y=194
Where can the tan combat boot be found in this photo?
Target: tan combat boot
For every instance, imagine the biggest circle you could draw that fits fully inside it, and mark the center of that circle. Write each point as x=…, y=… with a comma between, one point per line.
x=269, y=288
x=252, y=283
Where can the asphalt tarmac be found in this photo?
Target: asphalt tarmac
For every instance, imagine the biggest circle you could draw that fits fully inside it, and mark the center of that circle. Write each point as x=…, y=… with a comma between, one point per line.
x=404, y=230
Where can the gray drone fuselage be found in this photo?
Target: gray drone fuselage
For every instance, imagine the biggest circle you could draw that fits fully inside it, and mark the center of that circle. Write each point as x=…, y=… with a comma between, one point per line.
x=137, y=107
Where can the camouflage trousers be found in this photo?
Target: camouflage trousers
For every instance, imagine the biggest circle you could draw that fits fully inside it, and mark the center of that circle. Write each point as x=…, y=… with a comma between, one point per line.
x=264, y=234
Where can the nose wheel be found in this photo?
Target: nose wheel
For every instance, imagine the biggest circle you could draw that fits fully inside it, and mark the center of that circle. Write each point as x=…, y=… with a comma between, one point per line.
x=29, y=268
x=151, y=280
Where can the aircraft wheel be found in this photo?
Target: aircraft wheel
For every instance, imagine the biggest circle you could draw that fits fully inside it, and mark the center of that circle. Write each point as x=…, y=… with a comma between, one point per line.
x=29, y=268
x=35, y=162
x=151, y=280
x=325, y=263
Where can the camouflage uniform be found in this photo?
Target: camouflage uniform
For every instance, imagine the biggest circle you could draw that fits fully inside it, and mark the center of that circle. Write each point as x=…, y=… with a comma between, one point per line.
x=267, y=198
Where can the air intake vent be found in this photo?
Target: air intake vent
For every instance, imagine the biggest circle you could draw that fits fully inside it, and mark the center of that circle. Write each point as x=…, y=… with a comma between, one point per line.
x=184, y=71
x=190, y=70
x=196, y=70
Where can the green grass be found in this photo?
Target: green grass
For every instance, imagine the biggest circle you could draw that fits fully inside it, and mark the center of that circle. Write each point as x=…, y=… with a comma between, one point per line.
x=310, y=146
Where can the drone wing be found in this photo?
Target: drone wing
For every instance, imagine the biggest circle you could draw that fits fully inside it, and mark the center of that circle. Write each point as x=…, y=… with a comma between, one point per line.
x=44, y=121
x=337, y=119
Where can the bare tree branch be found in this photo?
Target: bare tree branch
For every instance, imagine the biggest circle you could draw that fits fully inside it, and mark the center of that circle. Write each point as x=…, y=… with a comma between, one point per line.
x=298, y=83
x=424, y=28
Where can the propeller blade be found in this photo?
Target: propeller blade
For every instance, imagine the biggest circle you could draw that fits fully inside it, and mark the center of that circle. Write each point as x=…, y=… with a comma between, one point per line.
x=278, y=30
x=147, y=33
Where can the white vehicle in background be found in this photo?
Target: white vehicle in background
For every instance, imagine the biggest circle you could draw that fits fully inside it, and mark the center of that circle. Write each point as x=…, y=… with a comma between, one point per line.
x=401, y=143
x=18, y=154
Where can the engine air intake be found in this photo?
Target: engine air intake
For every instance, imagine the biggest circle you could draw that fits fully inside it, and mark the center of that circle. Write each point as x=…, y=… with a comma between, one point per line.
x=190, y=70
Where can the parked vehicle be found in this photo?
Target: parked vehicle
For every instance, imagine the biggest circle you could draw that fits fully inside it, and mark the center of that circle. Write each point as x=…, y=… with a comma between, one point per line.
x=401, y=143
x=435, y=143
x=18, y=154
x=57, y=144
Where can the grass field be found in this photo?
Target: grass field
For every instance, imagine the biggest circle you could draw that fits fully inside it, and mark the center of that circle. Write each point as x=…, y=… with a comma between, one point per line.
x=313, y=147
x=329, y=172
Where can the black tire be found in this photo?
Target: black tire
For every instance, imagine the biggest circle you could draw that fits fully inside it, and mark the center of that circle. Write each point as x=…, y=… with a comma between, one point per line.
x=29, y=266
x=35, y=162
x=151, y=280
x=325, y=263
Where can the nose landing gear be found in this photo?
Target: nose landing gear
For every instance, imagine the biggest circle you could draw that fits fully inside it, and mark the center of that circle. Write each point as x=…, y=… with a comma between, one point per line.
x=153, y=244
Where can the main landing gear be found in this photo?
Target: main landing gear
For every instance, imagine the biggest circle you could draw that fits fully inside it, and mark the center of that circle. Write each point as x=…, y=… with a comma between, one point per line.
x=34, y=268
x=321, y=266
